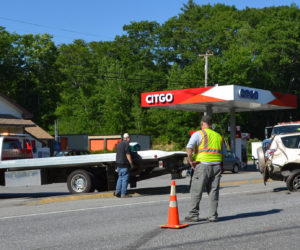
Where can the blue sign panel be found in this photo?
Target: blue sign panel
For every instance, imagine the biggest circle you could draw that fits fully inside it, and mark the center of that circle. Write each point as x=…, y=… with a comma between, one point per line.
x=248, y=93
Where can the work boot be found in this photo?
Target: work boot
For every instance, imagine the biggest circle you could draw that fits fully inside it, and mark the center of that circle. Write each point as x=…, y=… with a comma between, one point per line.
x=192, y=218
x=117, y=195
x=212, y=219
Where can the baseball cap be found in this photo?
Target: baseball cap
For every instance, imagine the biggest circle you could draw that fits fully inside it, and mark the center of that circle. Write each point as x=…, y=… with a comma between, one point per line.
x=126, y=135
x=206, y=119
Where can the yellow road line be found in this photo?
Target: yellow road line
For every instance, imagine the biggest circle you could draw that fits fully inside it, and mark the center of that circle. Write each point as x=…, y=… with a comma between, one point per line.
x=71, y=198
x=258, y=181
x=111, y=194
x=233, y=183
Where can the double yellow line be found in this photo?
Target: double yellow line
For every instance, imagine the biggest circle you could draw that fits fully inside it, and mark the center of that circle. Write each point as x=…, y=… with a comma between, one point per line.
x=111, y=194
x=235, y=183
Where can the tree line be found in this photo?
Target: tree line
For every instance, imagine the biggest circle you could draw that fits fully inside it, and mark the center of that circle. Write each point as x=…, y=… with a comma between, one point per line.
x=95, y=87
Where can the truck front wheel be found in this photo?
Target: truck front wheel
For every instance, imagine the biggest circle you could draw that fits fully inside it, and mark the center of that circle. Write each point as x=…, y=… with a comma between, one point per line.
x=293, y=182
x=261, y=160
x=80, y=181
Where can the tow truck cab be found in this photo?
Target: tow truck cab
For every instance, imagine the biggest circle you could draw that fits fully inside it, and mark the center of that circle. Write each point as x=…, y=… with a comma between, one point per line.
x=15, y=146
x=280, y=128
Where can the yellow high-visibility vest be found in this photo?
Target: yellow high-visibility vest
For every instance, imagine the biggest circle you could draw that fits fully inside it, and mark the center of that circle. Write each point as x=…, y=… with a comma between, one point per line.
x=210, y=149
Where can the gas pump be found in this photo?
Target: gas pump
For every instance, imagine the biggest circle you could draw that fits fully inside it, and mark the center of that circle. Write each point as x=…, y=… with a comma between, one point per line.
x=241, y=146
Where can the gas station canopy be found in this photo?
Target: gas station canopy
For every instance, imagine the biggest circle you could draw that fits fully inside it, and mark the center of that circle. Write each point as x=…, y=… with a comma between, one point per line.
x=219, y=99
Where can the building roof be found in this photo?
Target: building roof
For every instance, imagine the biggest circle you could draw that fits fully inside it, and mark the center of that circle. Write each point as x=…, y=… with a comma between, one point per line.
x=29, y=126
x=25, y=114
x=16, y=122
x=38, y=133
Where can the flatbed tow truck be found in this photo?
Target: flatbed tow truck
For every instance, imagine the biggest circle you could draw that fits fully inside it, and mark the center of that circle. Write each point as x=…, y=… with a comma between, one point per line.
x=83, y=173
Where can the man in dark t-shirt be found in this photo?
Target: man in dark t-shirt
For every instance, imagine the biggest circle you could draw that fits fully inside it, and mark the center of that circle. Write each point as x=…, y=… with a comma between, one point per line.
x=124, y=163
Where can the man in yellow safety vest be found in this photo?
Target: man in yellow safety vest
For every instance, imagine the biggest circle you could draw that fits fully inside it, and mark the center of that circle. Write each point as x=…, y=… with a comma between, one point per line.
x=207, y=163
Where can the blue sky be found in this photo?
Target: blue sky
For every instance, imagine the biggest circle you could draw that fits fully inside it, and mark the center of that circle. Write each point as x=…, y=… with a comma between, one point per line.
x=98, y=20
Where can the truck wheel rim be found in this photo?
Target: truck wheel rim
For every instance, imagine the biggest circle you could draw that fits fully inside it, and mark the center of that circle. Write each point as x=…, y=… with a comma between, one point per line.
x=296, y=183
x=78, y=183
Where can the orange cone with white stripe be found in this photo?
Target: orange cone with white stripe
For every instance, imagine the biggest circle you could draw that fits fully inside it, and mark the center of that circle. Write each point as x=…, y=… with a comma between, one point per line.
x=173, y=218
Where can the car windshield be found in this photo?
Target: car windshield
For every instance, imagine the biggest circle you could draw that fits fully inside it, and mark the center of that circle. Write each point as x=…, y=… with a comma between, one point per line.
x=230, y=154
x=285, y=129
x=291, y=141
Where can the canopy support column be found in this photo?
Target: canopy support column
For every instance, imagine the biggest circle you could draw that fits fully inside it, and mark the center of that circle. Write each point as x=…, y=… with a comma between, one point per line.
x=232, y=129
x=208, y=110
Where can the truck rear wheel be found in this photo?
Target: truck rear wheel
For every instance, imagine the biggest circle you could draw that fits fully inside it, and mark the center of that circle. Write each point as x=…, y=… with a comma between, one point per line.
x=80, y=181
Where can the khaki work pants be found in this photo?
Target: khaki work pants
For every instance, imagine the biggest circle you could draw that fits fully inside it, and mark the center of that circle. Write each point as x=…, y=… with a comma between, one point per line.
x=206, y=177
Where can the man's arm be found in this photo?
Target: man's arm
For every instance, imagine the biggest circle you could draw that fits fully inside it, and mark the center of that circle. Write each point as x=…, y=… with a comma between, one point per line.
x=189, y=152
x=129, y=158
x=193, y=142
x=224, y=151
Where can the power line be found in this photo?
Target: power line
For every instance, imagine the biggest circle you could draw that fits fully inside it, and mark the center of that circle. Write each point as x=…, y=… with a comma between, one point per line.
x=48, y=27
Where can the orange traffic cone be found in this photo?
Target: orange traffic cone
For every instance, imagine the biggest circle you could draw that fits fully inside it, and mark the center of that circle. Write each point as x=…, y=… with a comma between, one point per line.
x=173, y=218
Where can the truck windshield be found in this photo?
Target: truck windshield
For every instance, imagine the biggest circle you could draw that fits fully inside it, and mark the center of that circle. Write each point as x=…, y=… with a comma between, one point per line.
x=11, y=144
x=285, y=129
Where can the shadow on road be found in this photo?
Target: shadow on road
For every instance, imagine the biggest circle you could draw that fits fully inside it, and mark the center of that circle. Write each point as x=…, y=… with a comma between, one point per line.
x=183, y=189
x=280, y=189
x=161, y=190
x=252, y=214
x=31, y=195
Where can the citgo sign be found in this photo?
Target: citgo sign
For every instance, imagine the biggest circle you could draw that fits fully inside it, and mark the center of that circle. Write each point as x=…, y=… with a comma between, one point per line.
x=248, y=93
x=159, y=98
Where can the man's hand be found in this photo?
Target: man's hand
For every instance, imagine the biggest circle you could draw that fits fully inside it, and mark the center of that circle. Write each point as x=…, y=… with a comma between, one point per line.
x=222, y=167
x=132, y=165
x=192, y=164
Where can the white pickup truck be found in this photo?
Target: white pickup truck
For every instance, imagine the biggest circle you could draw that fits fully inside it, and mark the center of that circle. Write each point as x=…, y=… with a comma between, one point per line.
x=83, y=173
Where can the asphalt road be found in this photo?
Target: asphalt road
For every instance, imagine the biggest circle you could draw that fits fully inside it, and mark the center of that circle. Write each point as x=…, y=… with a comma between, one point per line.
x=252, y=216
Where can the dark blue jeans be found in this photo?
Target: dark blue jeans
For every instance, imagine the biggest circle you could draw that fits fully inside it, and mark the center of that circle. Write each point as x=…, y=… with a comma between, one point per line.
x=123, y=179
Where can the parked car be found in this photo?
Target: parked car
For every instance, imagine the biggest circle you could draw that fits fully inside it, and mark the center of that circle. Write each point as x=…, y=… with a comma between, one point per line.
x=281, y=161
x=231, y=162
x=68, y=152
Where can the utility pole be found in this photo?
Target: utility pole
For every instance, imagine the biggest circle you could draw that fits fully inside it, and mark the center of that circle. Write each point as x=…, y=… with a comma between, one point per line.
x=206, y=55
x=56, y=130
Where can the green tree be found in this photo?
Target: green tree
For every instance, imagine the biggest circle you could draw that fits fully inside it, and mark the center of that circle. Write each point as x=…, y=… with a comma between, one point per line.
x=29, y=74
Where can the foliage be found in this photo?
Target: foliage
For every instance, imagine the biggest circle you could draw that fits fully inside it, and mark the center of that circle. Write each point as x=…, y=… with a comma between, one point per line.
x=102, y=151
x=94, y=88
x=29, y=74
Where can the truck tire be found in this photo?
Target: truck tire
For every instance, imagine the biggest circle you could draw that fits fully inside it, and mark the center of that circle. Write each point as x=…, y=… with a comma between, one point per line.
x=261, y=159
x=80, y=181
x=293, y=182
x=176, y=175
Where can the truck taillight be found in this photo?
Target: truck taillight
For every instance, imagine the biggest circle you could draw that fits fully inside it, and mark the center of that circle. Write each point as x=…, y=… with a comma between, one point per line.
x=160, y=164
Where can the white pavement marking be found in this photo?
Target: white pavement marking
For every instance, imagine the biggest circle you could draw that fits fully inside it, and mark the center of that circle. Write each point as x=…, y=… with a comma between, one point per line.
x=112, y=206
